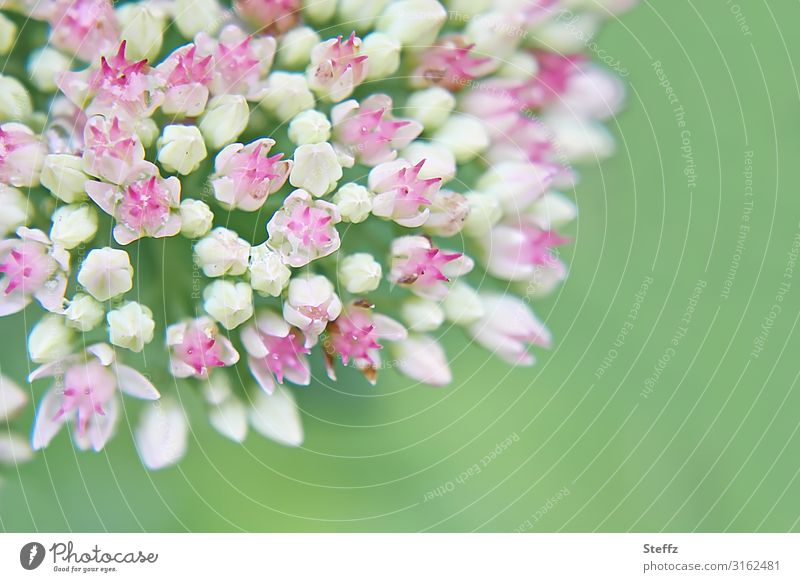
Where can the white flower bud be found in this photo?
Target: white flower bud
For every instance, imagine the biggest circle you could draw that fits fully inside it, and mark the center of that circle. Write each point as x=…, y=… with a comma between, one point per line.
x=319, y=11
x=15, y=209
x=224, y=120
x=84, y=312
x=415, y=23
x=229, y=303
x=439, y=160
x=287, y=95
x=484, y=213
x=421, y=314
x=316, y=168
x=294, y=50
x=15, y=101
x=229, y=418
x=580, y=140
x=521, y=66
x=360, y=15
x=193, y=16
x=196, y=218
x=354, y=202
x=494, y=34
x=383, y=55
x=63, y=175
x=552, y=210
x=222, y=252
x=431, y=107
x=462, y=304
x=181, y=149
x=8, y=35
x=309, y=127
x=106, y=273
x=131, y=326
x=162, y=434
x=567, y=35
x=49, y=340
x=463, y=135
x=462, y=10
x=360, y=273
x=142, y=27
x=44, y=66
x=268, y=274
x=73, y=225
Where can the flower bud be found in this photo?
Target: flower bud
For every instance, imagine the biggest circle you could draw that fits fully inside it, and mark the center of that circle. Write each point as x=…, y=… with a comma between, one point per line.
x=494, y=34
x=465, y=136
x=484, y=213
x=106, y=273
x=360, y=273
x=131, y=326
x=224, y=120
x=294, y=50
x=196, y=218
x=421, y=314
x=521, y=66
x=448, y=212
x=567, y=35
x=316, y=168
x=73, y=225
x=287, y=95
x=222, y=252
x=414, y=23
x=309, y=127
x=15, y=101
x=162, y=435
x=580, y=140
x=181, y=149
x=268, y=274
x=552, y=210
x=465, y=9
x=44, y=67
x=193, y=16
x=354, y=202
x=229, y=303
x=229, y=418
x=49, y=340
x=383, y=55
x=422, y=358
x=431, y=107
x=84, y=313
x=462, y=304
x=63, y=175
x=360, y=15
x=142, y=28
x=439, y=161
x=8, y=35
x=15, y=209
x=319, y=11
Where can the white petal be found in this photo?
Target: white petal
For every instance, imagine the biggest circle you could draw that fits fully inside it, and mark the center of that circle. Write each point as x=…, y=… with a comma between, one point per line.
x=388, y=328
x=102, y=352
x=422, y=358
x=276, y=417
x=12, y=398
x=262, y=375
x=133, y=383
x=45, y=426
x=14, y=448
x=162, y=435
x=230, y=419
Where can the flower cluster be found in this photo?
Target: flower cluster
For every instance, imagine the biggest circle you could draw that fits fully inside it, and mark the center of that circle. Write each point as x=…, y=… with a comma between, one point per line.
x=244, y=204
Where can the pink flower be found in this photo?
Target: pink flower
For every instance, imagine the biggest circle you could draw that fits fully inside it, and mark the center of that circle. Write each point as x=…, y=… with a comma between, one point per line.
x=111, y=150
x=197, y=346
x=400, y=194
x=354, y=335
x=241, y=62
x=450, y=65
x=247, y=174
x=21, y=155
x=185, y=77
x=449, y=211
x=368, y=131
x=425, y=269
x=269, y=16
x=310, y=304
x=422, y=358
x=145, y=204
x=508, y=327
x=515, y=252
x=87, y=395
x=337, y=67
x=86, y=28
x=275, y=351
x=303, y=229
x=32, y=267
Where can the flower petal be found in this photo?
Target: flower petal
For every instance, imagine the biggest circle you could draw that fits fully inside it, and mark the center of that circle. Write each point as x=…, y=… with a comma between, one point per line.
x=276, y=417
x=133, y=383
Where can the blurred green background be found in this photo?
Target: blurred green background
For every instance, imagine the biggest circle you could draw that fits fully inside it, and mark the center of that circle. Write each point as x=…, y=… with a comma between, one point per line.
x=669, y=402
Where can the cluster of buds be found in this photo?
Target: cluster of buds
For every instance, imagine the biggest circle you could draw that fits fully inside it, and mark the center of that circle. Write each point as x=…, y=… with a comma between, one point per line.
x=241, y=205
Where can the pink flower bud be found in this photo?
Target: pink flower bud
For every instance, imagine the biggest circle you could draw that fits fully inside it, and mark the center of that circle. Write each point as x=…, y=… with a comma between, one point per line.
x=400, y=194
x=276, y=351
x=197, y=346
x=303, y=229
x=337, y=67
x=425, y=269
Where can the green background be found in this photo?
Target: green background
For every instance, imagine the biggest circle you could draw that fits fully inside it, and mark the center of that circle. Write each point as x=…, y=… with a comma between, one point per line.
x=712, y=447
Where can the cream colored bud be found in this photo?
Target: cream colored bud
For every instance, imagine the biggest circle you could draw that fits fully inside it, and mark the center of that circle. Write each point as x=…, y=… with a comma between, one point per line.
x=15, y=101
x=106, y=273
x=360, y=273
x=84, y=313
x=294, y=50
x=383, y=55
x=222, y=252
x=360, y=15
x=229, y=303
x=319, y=11
x=16, y=209
x=268, y=274
x=462, y=304
x=316, y=168
x=181, y=149
x=484, y=213
x=224, y=120
x=287, y=95
x=49, y=340
x=63, y=175
x=415, y=23
x=309, y=127
x=463, y=135
x=193, y=16
x=44, y=67
x=131, y=326
x=421, y=314
x=354, y=202
x=8, y=35
x=142, y=29
x=196, y=218
x=431, y=107
x=73, y=225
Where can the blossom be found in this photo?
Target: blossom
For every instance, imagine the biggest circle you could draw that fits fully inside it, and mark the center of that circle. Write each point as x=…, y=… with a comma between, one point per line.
x=514, y=251
x=88, y=398
x=400, y=194
x=310, y=304
x=276, y=351
x=197, y=346
x=247, y=174
x=273, y=16
x=449, y=64
x=85, y=28
x=337, y=67
x=304, y=229
x=112, y=149
x=185, y=77
x=425, y=269
x=21, y=155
